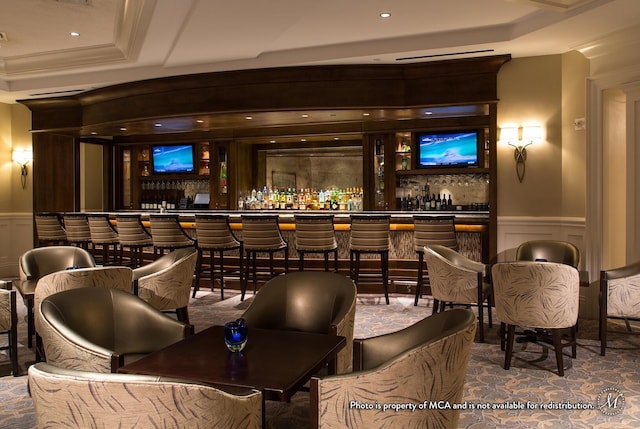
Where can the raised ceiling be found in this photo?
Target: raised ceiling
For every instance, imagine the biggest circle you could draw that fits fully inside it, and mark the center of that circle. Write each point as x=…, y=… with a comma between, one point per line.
x=128, y=40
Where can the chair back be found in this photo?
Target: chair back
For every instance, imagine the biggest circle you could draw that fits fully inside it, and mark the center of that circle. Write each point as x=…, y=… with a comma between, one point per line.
x=262, y=233
x=561, y=252
x=438, y=230
x=49, y=228
x=426, y=360
x=39, y=262
x=131, y=231
x=87, y=399
x=620, y=291
x=77, y=228
x=101, y=229
x=214, y=232
x=453, y=277
x=319, y=302
x=536, y=294
x=369, y=233
x=167, y=233
x=315, y=233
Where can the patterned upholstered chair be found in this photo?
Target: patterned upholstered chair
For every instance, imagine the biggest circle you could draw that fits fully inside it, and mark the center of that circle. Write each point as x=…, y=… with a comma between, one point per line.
x=49, y=229
x=425, y=362
x=440, y=230
x=168, y=234
x=315, y=234
x=543, y=296
x=320, y=302
x=9, y=324
x=37, y=263
x=370, y=235
x=66, y=398
x=104, y=235
x=133, y=234
x=214, y=234
x=456, y=279
x=101, y=329
x=561, y=252
x=166, y=282
x=77, y=229
x=619, y=299
x=261, y=234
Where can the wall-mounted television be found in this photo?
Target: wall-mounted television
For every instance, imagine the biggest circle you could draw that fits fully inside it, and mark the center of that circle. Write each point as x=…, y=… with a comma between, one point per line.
x=173, y=159
x=448, y=149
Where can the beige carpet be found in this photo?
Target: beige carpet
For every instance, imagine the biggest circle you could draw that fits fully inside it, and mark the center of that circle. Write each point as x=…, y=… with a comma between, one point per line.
x=537, y=396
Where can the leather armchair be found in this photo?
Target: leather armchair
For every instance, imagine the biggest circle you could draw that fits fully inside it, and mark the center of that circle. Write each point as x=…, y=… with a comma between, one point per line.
x=561, y=252
x=425, y=362
x=101, y=329
x=66, y=398
x=166, y=282
x=319, y=302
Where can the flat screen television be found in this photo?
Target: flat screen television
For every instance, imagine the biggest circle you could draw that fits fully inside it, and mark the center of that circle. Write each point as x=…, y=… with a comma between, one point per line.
x=448, y=149
x=173, y=159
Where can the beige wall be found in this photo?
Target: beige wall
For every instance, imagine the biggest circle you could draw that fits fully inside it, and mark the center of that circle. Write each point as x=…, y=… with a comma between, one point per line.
x=15, y=122
x=548, y=90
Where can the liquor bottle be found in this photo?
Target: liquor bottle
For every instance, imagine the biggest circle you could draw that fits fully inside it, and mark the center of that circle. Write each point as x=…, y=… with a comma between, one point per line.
x=409, y=202
x=427, y=201
x=450, y=202
x=432, y=203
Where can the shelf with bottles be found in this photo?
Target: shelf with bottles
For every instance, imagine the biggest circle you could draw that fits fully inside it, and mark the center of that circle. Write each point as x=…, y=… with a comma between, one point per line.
x=173, y=191
x=144, y=161
x=403, y=152
x=348, y=199
x=204, y=159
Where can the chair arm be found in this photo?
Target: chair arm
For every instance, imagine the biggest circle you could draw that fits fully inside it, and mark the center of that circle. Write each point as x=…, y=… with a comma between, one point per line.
x=621, y=272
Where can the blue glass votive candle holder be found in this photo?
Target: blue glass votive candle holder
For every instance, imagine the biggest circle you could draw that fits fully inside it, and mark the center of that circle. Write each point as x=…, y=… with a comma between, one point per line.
x=235, y=335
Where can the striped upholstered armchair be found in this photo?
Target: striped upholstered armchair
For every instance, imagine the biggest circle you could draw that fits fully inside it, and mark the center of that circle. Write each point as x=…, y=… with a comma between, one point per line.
x=66, y=398
x=619, y=299
x=424, y=362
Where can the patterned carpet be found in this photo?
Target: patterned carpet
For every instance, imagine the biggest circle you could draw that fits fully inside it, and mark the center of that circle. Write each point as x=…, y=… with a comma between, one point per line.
x=529, y=395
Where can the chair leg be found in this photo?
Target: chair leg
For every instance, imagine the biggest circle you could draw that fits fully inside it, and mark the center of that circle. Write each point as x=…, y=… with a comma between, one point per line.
x=221, y=275
x=335, y=260
x=436, y=304
x=502, y=333
x=420, y=280
x=301, y=264
x=196, y=286
x=212, y=269
x=511, y=331
x=556, y=335
x=182, y=314
x=326, y=261
x=574, y=344
x=385, y=275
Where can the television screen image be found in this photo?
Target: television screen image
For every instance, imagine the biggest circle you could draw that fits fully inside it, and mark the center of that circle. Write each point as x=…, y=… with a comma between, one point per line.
x=174, y=159
x=448, y=149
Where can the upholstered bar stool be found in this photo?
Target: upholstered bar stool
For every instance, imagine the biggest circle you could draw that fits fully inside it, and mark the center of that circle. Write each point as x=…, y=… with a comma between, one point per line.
x=49, y=229
x=315, y=234
x=370, y=235
x=77, y=228
x=213, y=234
x=440, y=230
x=133, y=234
x=261, y=234
x=103, y=234
x=168, y=234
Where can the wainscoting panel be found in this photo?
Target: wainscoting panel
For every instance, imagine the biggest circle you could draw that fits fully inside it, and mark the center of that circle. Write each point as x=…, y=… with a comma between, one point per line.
x=515, y=230
x=16, y=232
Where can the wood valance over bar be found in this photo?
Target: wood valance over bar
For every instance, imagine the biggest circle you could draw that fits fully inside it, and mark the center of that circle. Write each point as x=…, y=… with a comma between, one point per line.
x=453, y=82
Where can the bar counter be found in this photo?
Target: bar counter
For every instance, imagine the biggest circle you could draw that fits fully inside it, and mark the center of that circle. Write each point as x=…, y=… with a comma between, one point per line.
x=471, y=228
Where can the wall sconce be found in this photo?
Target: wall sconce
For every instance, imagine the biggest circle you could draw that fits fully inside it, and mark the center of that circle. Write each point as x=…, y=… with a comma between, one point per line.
x=530, y=134
x=22, y=157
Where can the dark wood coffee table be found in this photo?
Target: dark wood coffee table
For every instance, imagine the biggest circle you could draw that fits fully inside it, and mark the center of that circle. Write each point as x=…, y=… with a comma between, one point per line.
x=278, y=363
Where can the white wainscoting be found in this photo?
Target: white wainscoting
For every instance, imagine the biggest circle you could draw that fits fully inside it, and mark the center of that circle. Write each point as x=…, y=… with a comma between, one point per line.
x=515, y=230
x=16, y=233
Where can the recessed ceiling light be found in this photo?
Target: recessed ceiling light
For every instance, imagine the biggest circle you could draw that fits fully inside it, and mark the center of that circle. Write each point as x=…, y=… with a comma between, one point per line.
x=303, y=140
x=366, y=114
x=123, y=129
x=428, y=112
x=304, y=115
x=336, y=138
x=93, y=133
x=158, y=125
x=248, y=118
x=74, y=34
x=385, y=15
x=200, y=121
x=272, y=141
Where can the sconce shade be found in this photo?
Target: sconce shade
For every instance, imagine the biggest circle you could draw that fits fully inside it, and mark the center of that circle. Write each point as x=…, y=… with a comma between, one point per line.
x=22, y=156
x=532, y=134
x=509, y=134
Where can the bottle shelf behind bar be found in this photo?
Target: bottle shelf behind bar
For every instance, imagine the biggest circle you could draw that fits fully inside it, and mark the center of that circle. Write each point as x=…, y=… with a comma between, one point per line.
x=349, y=199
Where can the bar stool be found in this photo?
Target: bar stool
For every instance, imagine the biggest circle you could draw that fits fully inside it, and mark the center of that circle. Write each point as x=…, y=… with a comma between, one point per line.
x=213, y=234
x=49, y=229
x=77, y=228
x=440, y=230
x=133, y=234
x=168, y=234
x=103, y=234
x=370, y=235
x=315, y=234
x=261, y=233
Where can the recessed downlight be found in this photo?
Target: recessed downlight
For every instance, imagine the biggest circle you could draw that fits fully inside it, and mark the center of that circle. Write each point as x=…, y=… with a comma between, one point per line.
x=385, y=15
x=74, y=34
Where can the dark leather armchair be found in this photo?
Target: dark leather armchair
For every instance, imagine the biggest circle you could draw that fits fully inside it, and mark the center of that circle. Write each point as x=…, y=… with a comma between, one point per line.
x=425, y=362
x=319, y=302
x=67, y=398
x=100, y=329
x=560, y=252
